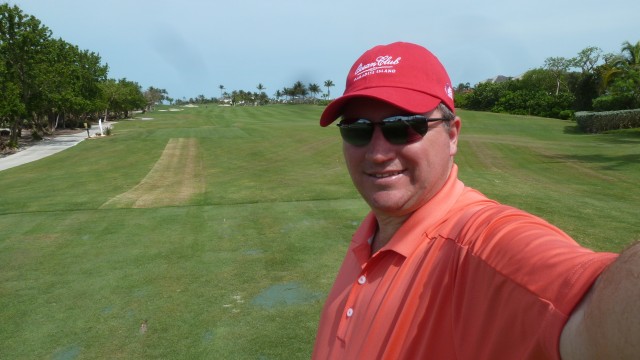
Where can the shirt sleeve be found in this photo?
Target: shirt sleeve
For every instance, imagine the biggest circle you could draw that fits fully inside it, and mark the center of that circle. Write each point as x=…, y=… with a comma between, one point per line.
x=523, y=276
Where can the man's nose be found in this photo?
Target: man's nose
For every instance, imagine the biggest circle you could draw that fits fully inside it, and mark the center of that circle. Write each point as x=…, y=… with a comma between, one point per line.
x=379, y=148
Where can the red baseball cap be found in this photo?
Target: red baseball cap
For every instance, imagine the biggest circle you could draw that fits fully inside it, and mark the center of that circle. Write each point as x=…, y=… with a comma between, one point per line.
x=403, y=74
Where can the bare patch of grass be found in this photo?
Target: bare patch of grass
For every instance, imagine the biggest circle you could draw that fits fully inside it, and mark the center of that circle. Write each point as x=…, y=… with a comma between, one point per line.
x=174, y=179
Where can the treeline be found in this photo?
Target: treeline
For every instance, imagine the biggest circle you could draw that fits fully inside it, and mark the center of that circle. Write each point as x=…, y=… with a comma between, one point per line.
x=298, y=93
x=48, y=83
x=591, y=81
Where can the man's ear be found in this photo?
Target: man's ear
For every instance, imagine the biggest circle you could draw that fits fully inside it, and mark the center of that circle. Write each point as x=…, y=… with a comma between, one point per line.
x=454, y=133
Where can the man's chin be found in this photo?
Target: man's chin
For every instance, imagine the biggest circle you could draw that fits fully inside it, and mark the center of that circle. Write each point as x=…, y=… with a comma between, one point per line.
x=387, y=206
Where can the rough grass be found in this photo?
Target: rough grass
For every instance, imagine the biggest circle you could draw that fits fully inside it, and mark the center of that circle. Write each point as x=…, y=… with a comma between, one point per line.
x=223, y=227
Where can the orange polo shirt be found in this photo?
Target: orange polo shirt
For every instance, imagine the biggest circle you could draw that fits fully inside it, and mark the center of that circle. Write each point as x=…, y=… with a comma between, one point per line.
x=463, y=278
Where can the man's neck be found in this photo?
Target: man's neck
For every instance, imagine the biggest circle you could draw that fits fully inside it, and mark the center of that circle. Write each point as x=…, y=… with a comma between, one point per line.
x=387, y=227
x=389, y=223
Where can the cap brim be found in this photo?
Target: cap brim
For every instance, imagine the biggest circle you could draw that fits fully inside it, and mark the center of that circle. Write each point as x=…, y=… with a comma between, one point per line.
x=412, y=101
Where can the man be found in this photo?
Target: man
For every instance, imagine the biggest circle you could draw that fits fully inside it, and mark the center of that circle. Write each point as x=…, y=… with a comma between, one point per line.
x=439, y=271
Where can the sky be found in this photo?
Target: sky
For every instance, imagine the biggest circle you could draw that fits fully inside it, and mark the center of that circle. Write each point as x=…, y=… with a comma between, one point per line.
x=191, y=47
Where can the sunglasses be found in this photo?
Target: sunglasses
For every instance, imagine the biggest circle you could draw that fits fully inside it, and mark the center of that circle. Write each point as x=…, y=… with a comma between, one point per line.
x=398, y=130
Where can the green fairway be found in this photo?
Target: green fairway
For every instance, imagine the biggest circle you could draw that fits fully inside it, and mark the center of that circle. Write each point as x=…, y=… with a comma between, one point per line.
x=221, y=228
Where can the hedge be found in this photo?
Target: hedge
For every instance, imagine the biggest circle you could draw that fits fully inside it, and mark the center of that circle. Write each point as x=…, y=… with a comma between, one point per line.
x=597, y=122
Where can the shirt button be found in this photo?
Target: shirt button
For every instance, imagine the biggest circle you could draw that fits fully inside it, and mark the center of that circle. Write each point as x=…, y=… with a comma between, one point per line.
x=350, y=312
x=362, y=279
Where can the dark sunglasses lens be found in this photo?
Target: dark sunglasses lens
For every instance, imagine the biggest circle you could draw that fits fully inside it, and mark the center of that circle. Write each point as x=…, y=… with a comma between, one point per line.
x=419, y=126
x=400, y=132
x=357, y=134
x=396, y=132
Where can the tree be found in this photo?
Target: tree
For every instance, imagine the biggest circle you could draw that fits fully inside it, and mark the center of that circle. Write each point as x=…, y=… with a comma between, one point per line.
x=72, y=87
x=314, y=89
x=299, y=90
x=558, y=66
x=631, y=53
x=328, y=84
x=555, y=91
x=22, y=52
x=621, y=80
x=10, y=101
x=539, y=80
x=200, y=99
x=584, y=85
x=122, y=96
x=221, y=87
x=44, y=80
x=154, y=96
x=109, y=91
x=278, y=95
x=261, y=98
x=484, y=96
x=587, y=59
x=288, y=92
x=533, y=94
x=463, y=87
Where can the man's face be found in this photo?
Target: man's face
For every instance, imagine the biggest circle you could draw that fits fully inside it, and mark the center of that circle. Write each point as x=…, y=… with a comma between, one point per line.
x=396, y=180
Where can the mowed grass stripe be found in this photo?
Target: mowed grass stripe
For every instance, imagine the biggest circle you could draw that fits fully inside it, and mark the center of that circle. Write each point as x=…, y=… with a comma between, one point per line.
x=174, y=179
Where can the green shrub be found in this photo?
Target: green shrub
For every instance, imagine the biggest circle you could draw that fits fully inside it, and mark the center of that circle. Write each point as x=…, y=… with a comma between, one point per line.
x=597, y=122
x=613, y=102
x=565, y=115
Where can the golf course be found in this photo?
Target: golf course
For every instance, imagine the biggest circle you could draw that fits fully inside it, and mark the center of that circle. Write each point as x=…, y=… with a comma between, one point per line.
x=215, y=232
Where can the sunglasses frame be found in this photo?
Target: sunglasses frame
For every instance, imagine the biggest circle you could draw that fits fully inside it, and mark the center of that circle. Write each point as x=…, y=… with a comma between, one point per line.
x=394, y=125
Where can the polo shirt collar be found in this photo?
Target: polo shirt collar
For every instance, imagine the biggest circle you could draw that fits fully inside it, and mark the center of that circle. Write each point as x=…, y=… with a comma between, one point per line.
x=360, y=243
x=412, y=232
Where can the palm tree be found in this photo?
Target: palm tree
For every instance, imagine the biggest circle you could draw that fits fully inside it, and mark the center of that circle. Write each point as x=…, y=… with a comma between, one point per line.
x=278, y=95
x=288, y=92
x=621, y=79
x=221, y=87
x=619, y=65
x=631, y=53
x=260, y=87
x=299, y=90
x=328, y=84
x=314, y=89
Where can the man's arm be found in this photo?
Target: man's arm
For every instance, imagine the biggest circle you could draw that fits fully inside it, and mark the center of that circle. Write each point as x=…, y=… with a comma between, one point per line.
x=606, y=324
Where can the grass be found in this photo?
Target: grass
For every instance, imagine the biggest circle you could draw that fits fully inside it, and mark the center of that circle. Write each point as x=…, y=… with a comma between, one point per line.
x=239, y=268
x=585, y=184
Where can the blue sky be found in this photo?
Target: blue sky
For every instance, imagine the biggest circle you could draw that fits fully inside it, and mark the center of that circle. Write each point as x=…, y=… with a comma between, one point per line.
x=190, y=47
